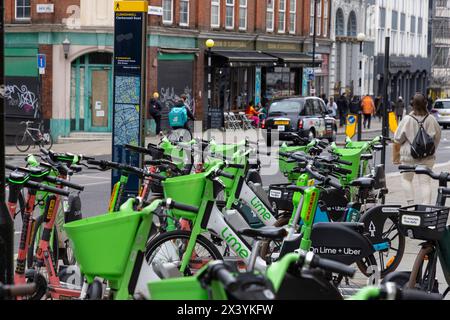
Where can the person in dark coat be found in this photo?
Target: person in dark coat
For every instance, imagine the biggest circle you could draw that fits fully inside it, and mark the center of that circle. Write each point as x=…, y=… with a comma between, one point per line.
x=355, y=105
x=155, y=110
x=181, y=104
x=342, y=105
x=399, y=109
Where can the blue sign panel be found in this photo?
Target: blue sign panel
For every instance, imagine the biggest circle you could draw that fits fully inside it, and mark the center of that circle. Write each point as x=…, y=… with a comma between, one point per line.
x=258, y=86
x=42, y=61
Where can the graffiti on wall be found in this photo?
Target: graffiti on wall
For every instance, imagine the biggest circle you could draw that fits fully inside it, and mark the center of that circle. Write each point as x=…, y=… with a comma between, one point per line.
x=169, y=97
x=21, y=96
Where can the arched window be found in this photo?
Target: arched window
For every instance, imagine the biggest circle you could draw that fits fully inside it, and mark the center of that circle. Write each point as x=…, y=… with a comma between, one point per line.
x=339, y=22
x=351, y=27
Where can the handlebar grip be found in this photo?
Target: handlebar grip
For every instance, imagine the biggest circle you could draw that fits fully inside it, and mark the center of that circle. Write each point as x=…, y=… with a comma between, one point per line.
x=333, y=266
x=45, y=151
x=99, y=163
x=155, y=176
x=83, y=157
x=285, y=154
x=224, y=174
x=235, y=166
x=69, y=184
x=342, y=170
x=322, y=144
x=344, y=162
x=20, y=290
x=137, y=149
x=43, y=187
x=225, y=277
x=11, y=167
x=180, y=206
x=406, y=168
x=410, y=294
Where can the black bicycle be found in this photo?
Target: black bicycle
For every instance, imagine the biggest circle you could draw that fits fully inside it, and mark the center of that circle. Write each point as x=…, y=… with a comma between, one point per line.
x=37, y=136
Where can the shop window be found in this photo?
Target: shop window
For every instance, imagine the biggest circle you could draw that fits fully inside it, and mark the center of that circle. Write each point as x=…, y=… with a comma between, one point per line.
x=280, y=82
x=215, y=13
x=99, y=58
x=184, y=13
x=23, y=10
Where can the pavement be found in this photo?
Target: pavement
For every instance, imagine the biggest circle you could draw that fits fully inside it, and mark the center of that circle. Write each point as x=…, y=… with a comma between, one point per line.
x=98, y=184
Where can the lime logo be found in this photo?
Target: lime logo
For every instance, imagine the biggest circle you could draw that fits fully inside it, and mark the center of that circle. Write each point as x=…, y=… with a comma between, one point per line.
x=234, y=243
x=260, y=209
x=351, y=119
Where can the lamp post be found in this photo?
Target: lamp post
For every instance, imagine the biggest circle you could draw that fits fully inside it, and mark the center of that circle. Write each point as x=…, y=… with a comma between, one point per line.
x=361, y=37
x=209, y=44
x=314, y=45
x=66, y=47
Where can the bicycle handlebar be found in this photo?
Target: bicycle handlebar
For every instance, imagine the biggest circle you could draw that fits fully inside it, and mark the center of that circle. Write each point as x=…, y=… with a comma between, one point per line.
x=170, y=204
x=138, y=149
x=224, y=174
x=332, y=266
x=43, y=187
x=411, y=294
x=420, y=169
x=219, y=271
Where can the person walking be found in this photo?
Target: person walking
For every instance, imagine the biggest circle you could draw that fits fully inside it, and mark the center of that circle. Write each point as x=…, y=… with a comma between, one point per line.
x=342, y=105
x=332, y=107
x=155, y=110
x=368, y=110
x=405, y=137
x=379, y=107
x=323, y=96
x=399, y=109
x=355, y=105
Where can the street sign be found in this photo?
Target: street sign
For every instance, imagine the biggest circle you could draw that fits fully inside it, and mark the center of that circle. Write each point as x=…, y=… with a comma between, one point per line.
x=130, y=41
x=350, y=129
x=311, y=77
x=42, y=61
x=155, y=11
x=45, y=8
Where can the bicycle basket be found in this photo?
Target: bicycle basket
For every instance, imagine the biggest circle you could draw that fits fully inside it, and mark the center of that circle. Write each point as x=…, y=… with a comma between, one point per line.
x=98, y=248
x=186, y=190
x=423, y=222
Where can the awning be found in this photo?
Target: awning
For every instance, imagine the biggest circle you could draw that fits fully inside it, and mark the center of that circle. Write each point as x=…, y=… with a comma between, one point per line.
x=243, y=59
x=295, y=59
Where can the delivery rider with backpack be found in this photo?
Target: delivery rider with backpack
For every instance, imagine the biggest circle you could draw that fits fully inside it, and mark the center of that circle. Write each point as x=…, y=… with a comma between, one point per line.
x=416, y=141
x=179, y=116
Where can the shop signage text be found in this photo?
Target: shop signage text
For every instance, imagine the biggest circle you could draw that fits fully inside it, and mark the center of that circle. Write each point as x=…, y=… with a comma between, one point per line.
x=45, y=8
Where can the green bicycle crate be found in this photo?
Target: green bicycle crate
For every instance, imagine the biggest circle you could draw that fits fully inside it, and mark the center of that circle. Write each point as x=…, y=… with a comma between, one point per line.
x=102, y=244
x=186, y=190
x=186, y=288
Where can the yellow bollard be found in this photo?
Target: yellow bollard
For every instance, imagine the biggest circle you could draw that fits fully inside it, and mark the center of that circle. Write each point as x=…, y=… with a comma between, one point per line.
x=393, y=124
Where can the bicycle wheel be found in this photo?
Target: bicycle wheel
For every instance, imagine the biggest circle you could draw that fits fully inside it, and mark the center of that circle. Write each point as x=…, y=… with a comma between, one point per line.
x=171, y=246
x=23, y=141
x=36, y=237
x=46, y=140
x=389, y=259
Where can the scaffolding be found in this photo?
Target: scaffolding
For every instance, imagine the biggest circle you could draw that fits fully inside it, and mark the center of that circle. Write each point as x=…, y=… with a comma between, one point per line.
x=440, y=83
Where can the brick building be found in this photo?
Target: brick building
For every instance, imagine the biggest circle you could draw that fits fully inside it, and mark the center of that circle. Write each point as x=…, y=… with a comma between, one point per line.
x=261, y=50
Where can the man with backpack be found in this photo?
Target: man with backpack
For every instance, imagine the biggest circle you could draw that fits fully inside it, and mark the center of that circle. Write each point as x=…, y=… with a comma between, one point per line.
x=418, y=136
x=179, y=116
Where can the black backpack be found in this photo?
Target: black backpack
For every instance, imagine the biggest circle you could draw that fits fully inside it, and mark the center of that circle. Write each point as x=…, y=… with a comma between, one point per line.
x=423, y=145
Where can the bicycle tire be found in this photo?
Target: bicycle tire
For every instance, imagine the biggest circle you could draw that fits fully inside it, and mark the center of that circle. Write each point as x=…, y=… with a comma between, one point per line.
x=393, y=265
x=23, y=142
x=46, y=141
x=35, y=236
x=94, y=291
x=155, y=243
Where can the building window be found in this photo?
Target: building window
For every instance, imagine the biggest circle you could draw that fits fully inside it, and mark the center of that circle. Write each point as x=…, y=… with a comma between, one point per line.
x=229, y=14
x=23, y=10
x=351, y=27
x=292, y=14
x=243, y=15
x=325, y=18
x=382, y=21
x=311, y=17
x=319, y=17
x=184, y=13
x=282, y=16
x=394, y=20
x=167, y=11
x=269, y=15
x=215, y=13
x=340, y=22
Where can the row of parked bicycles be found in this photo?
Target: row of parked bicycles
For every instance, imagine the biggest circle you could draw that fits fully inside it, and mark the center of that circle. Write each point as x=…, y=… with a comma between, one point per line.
x=203, y=226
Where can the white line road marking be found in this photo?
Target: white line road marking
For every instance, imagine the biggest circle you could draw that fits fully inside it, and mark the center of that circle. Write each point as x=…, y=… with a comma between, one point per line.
x=91, y=177
x=96, y=184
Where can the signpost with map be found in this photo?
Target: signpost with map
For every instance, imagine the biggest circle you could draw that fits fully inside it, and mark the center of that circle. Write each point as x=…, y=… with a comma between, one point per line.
x=130, y=29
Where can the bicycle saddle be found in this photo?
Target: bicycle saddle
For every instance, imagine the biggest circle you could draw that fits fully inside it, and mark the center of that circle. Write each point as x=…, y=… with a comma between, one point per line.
x=363, y=183
x=265, y=233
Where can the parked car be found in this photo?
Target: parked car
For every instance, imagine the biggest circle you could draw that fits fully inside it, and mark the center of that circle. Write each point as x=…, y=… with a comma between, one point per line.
x=306, y=116
x=441, y=110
